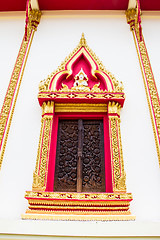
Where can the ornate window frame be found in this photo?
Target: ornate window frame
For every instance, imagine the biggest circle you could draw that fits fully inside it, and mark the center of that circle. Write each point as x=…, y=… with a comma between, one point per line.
x=64, y=93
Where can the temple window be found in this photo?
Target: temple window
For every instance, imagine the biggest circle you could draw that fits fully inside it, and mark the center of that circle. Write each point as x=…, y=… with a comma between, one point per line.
x=79, y=172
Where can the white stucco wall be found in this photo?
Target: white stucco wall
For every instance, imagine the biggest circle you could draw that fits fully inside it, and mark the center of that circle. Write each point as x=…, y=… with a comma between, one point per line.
x=110, y=38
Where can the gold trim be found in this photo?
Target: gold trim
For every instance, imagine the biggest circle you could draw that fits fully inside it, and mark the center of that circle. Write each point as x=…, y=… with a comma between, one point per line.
x=70, y=208
x=79, y=217
x=15, y=82
x=148, y=77
x=79, y=196
x=41, y=170
x=73, y=95
x=114, y=108
x=47, y=107
x=80, y=107
x=79, y=212
x=76, y=202
x=61, y=204
x=118, y=173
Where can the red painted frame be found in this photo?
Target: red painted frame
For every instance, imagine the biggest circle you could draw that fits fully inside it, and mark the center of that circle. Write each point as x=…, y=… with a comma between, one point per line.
x=53, y=148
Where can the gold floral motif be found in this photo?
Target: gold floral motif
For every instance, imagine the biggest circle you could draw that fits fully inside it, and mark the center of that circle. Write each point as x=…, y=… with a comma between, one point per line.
x=148, y=77
x=15, y=82
x=40, y=174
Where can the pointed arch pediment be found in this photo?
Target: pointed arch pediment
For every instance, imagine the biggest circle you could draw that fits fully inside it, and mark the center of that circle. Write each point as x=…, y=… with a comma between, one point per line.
x=66, y=79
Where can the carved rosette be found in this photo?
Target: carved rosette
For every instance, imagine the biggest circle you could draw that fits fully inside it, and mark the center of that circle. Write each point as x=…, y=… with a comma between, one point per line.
x=118, y=174
x=41, y=170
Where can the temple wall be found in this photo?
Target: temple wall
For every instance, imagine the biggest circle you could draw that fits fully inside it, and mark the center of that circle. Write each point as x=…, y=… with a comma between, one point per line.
x=110, y=38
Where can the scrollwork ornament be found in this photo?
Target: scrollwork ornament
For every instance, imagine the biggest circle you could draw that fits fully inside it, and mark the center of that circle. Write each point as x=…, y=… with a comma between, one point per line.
x=116, y=153
x=40, y=174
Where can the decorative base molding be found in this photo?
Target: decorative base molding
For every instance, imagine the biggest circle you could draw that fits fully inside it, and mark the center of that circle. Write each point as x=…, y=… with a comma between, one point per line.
x=78, y=206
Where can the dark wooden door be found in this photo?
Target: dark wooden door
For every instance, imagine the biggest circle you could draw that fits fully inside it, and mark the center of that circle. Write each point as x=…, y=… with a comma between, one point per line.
x=80, y=156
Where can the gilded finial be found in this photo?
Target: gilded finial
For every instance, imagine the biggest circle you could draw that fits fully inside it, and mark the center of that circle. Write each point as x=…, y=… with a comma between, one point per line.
x=83, y=40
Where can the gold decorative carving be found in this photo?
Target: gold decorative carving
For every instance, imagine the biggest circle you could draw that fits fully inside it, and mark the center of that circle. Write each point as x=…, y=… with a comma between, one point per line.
x=78, y=206
x=80, y=107
x=104, y=95
x=47, y=107
x=44, y=84
x=79, y=196
x=147, y=74
x=81, y=84
x=83, y=41
x=118, y=174
x=34, y=18
x=131, y=15
x=15, y=82
x=40, y=174
x=114, y=108
x=121, y=184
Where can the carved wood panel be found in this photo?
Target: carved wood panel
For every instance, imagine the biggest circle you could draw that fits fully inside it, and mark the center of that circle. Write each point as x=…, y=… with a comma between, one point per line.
x=93, y=157
x=80, y=156
x=66, y=159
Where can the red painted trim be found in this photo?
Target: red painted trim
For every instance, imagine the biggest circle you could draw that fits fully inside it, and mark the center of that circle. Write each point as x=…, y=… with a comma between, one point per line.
x=53, y=146
x=88, y=70
x=52, y=155
x=111, y=152
x=48, y=154
x=20, y=5
x=107, y=153
x=46, y=114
